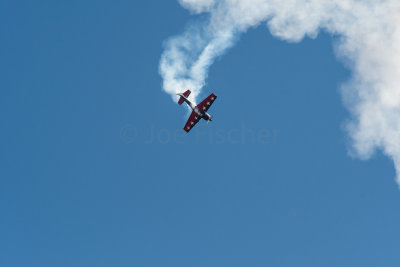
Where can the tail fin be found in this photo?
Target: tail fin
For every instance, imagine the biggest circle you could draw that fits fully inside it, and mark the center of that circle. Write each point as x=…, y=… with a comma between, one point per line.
x=186, y=94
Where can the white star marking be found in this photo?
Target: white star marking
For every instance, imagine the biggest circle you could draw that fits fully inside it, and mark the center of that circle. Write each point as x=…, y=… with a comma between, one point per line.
x=204, y=108
x=191, y=122
x=208, y=103
x=212, y=98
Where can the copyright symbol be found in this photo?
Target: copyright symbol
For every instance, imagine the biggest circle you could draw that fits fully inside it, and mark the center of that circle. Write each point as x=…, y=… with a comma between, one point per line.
x=128, y=134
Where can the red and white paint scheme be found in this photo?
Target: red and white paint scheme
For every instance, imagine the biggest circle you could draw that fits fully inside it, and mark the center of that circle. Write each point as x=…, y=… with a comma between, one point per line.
x=199, y=111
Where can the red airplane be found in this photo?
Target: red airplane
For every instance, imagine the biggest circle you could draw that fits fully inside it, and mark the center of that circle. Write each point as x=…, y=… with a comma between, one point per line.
x=199, y=111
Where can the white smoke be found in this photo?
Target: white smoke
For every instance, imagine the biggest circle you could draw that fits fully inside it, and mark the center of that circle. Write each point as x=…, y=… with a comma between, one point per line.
x=369, y=34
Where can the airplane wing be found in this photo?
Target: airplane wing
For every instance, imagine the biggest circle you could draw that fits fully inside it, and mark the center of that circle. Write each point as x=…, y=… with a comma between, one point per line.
x=206, y=103
x=193, y=119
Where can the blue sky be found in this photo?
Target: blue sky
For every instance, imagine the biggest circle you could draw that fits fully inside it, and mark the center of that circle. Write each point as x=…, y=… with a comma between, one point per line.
x=83, y=182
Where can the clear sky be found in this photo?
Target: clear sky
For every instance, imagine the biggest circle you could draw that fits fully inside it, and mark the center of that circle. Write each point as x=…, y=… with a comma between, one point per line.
x=95, y=169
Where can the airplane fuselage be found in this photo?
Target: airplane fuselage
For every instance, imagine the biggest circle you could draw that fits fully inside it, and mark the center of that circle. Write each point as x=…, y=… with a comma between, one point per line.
x=204, y=115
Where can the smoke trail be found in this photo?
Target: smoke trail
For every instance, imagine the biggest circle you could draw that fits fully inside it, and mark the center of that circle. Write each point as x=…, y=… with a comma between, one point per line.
x=187, y=57
x=369, y=34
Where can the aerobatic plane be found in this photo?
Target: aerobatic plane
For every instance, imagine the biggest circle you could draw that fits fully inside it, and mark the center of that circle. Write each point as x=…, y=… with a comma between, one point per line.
x=199, y=111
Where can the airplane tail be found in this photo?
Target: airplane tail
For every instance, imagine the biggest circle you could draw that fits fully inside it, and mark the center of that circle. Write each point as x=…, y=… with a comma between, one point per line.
x=186, y=94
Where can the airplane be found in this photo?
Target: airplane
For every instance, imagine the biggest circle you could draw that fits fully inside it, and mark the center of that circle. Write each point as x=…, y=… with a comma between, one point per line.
x=198, y=112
